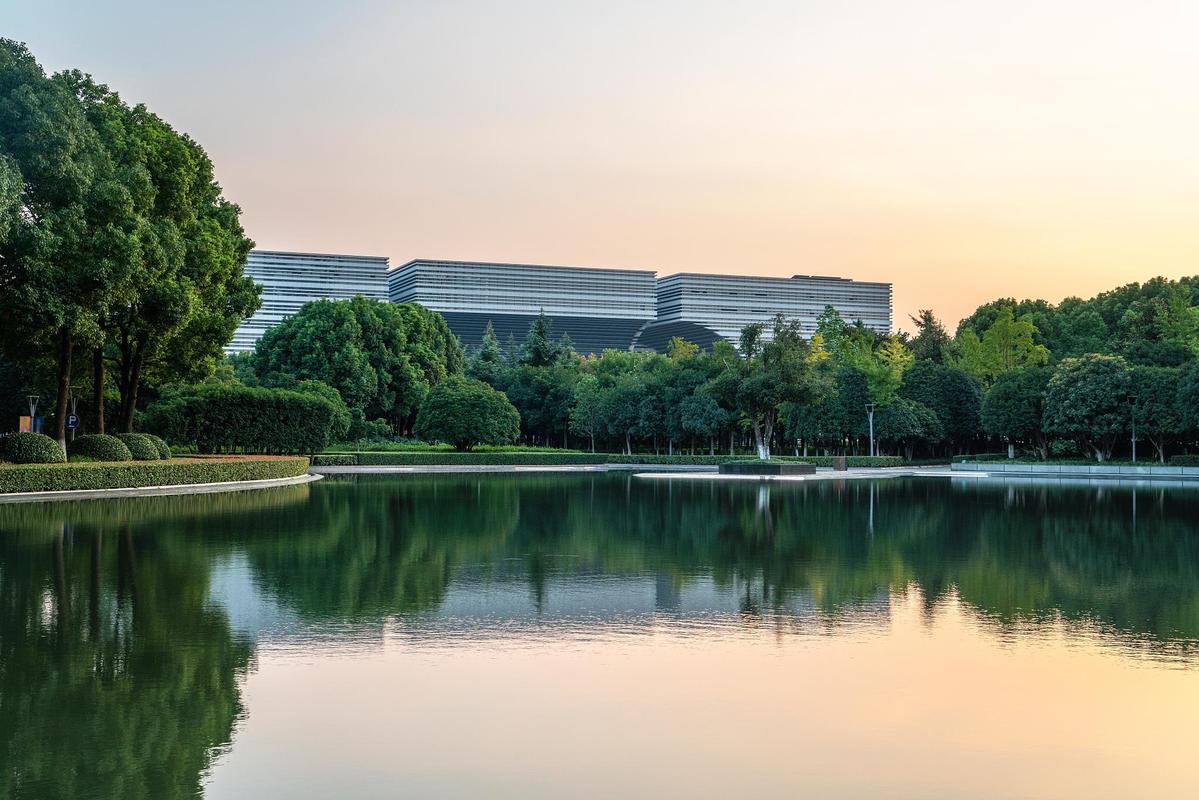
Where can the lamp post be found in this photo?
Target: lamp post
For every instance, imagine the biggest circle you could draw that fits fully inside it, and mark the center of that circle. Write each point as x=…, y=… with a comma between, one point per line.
x=1133, y=398
x=870, y=416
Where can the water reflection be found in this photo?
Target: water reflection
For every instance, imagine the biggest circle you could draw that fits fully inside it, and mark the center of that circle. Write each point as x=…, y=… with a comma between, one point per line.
x=127, y=627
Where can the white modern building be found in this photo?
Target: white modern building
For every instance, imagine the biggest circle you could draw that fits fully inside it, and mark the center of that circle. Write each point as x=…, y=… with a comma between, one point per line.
x=724, y=304
x=289, y=280
x=598, y=308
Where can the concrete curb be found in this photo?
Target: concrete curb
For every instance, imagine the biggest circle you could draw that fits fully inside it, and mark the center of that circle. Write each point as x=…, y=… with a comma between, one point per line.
x=155, y=491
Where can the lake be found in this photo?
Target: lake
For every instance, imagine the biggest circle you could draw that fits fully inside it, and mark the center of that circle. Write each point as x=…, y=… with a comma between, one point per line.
x=603, y=635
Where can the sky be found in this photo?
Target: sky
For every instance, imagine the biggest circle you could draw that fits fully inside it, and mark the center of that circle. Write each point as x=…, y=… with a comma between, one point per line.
x=961, y=150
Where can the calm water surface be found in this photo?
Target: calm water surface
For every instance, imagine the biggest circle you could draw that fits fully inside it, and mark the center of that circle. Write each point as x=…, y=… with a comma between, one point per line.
x=603, y=636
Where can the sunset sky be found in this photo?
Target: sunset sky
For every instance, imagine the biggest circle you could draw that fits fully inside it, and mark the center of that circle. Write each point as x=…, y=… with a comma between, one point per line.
x=961, y=150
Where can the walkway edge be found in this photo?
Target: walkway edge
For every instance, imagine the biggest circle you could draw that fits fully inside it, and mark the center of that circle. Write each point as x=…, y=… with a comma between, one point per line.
x=155, y=491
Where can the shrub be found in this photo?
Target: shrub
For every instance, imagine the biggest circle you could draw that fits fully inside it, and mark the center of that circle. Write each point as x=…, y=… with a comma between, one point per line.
x=466, y=412
x=164, y=450
x=219, y=418
x=1184, y=461
x=335, y=460
x=95, y=475
x=141, y=446
x=100, y=447
x=30, y=448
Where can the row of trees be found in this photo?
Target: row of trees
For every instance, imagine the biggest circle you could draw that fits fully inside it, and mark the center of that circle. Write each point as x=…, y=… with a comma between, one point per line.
x=115, y=243
x=999, y=381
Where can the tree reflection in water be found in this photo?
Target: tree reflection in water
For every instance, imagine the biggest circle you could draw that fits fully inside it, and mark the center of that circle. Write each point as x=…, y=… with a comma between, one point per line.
x=119, y=677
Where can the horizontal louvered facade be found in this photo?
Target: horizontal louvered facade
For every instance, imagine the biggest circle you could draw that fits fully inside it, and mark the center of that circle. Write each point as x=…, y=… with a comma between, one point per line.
x=289, y=280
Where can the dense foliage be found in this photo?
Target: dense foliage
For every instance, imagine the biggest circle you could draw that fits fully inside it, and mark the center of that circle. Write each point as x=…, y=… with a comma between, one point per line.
x=100, y=447
x=225, y=418
x=101, y=475
x=115, y=242
x=141, y=446
x=382, y=358
x=30, y=448
x=465, y=412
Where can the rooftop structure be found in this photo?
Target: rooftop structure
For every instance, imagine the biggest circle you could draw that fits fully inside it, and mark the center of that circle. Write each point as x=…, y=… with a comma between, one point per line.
x=724, y=304
x=289, y=280
x=598, y=308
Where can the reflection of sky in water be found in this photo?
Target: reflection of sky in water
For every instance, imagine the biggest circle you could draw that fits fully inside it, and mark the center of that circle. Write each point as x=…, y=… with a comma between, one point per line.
x=596, y=636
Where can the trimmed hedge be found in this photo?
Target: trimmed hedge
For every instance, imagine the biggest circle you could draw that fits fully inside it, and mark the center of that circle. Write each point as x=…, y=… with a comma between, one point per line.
x=554, y=459
x=222, y=418
x=30, y=448
x=1180, y=461
x=100, y=475
x=100, y=447
x=164, y=450
x=141, y=446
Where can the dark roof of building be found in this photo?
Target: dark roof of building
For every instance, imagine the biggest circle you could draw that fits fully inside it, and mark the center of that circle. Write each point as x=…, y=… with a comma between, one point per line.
x=657, y=335
x=587, y=334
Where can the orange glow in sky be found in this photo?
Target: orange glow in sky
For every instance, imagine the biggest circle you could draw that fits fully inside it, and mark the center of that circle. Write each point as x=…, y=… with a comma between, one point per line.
x=961, y=150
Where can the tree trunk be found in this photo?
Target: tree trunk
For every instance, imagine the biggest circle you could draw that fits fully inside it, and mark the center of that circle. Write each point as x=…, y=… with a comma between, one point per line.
x=593, y=442
x=98, y=388
x=129, y=396
x=628, y=446
x=732, y=443
x=66, y=347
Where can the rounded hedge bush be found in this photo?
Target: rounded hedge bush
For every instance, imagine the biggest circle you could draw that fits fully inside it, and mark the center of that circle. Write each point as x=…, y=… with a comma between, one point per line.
x=101, y=447
x=30, y=448
x=164, y=450
x=141, y=446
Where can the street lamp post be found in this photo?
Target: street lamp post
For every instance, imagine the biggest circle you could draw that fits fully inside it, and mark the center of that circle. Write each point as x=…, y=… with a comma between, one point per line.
x=1133, y=398
x=870, y=416
x=32, y=398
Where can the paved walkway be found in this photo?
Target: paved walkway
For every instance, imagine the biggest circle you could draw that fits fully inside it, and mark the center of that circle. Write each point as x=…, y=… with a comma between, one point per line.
x=153, y=491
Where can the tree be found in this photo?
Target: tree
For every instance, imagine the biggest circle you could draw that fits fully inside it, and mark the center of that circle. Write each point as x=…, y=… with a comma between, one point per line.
x=1087, y=400
x=466, y=412
x=951, y=394
x=1155, y=406
x=543, y=396
x=65, y=258
x=322, y=342
x=587, y=413
x=185, y=289
x=488, y=363
x=1014, y=408
x=906, y=423
x=931, y=338
x=882, y=368
x=702, y=416
x=769, y=374
x=540, y=349
x=1008, y=345
x=1188, y=397
x=381, y=357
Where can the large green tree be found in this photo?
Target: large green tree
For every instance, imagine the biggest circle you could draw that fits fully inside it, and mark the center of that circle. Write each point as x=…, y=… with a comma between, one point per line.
x=67, y=253
x=952, y=395
x=770, y=373
x=1014, y=409
x=381, y=357
x=465, y=412
x=1155, y=408
x=931, y=337
x=1087, y=399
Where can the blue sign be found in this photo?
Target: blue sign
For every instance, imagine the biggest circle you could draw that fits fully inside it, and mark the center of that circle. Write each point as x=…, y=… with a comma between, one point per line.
x=72, y=422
